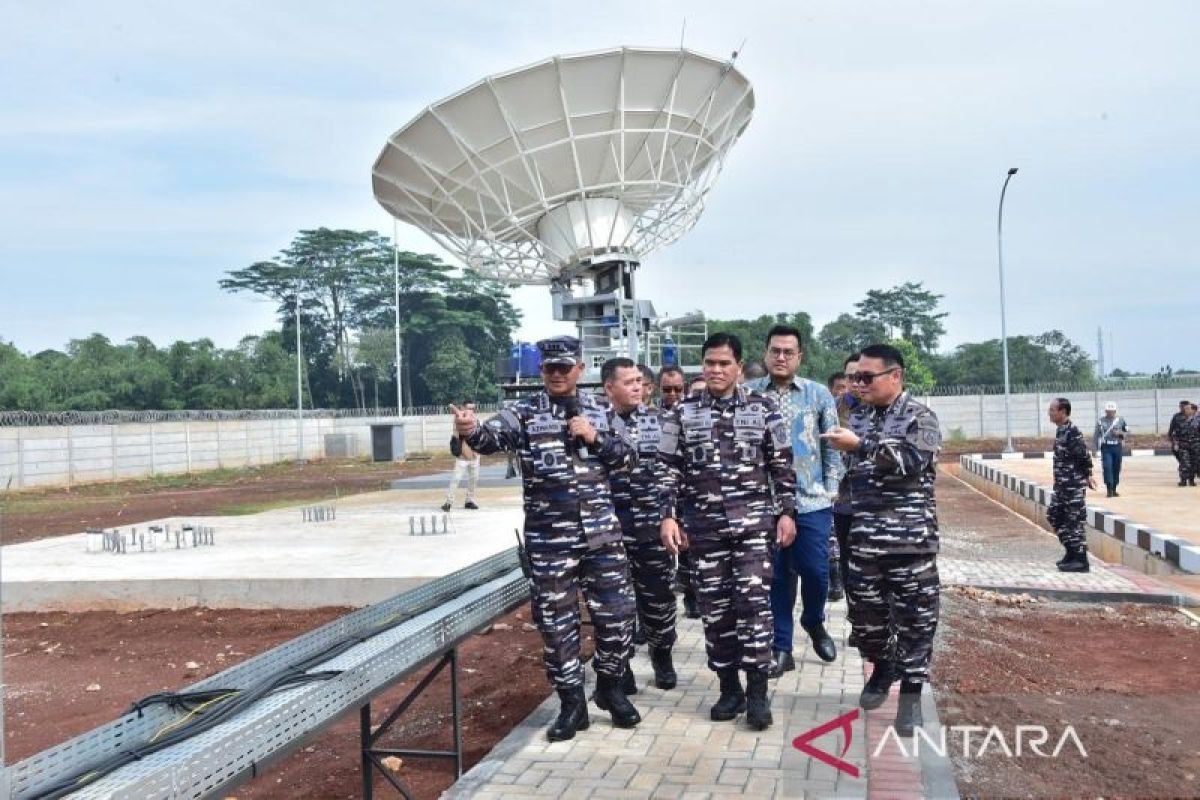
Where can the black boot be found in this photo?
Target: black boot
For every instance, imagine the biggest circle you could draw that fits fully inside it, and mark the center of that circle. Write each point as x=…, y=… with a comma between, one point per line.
x=878, y=685
x=908, y=711
x=610, y=697
x=836, y=590
x=733, y=699
x=1192, y=481
x=1066, y=557
x=572, y=715
x=1111, y=492
x=1077, y=562
x=758, y=706
x=690, y=609
x=639, y=631
x=629, y=682
x=664, y=668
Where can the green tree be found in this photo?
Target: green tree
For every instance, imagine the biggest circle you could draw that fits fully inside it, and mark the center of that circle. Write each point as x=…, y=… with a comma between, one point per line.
x=445, y=376
x=908, y=311
x=918, y=378
x=848, y=334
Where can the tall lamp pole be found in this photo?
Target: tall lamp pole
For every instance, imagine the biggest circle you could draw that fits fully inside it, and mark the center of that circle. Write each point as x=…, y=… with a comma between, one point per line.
x=1008, y=446
x=396, y=299
x=299, y=382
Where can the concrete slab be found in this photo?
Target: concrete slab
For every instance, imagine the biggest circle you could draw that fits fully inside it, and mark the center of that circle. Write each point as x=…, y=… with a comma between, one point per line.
x=1149, y=494
x=267, y=560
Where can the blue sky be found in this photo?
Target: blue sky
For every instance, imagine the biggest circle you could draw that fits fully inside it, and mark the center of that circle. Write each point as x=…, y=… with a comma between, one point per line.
x=146, y=148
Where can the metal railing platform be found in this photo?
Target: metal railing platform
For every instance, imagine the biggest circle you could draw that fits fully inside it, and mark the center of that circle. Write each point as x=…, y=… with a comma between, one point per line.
x=394, y=638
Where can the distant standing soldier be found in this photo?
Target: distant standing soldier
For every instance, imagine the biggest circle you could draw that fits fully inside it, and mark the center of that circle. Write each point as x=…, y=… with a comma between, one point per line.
x=648, y=378
x=635, y=495
x=1109, y=439
x=466, y=463
x=892, y=580
x=1179, y=439
x=1072, y=478
x=1189, y=446
x=569, y=444
x=724, y=451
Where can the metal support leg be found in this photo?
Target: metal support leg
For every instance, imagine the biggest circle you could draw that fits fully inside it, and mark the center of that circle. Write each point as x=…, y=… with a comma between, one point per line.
x=371, y=755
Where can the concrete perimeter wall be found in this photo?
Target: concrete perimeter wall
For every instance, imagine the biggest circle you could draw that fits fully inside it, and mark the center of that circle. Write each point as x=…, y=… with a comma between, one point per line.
x=68, y=455
x=979, y=416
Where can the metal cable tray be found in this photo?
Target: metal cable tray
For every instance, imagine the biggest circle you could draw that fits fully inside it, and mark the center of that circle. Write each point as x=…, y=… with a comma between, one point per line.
x=436, y=617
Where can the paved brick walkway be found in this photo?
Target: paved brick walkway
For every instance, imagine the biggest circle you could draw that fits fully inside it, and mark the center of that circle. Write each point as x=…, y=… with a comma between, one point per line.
x=677, y=752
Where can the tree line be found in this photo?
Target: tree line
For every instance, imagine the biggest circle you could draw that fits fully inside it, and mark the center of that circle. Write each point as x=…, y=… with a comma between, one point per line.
x=909, y=316
x=455, y=327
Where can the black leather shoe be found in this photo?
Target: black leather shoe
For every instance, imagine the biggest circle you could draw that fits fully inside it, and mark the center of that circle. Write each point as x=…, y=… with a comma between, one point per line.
x=609, y=697
x=758, y=706
x=572, y=715
x=878, y=686
x=781, y=662
x=446, y=506
x=822, y=642
x=629, y=682
x=664, y=668
x=470, y=505
x=1066, y=557
x=908, y=714
x=690, y=609
x=733, y=698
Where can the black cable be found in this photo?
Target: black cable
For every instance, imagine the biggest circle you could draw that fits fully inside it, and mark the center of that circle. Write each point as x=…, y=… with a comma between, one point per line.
x=238, y=700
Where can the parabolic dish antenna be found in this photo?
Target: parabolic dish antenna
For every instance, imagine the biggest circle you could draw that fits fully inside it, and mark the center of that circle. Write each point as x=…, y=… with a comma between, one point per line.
x=569, y=169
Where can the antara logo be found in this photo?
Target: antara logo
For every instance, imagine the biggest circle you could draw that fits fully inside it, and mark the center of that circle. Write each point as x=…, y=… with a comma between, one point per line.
x=1026, y=740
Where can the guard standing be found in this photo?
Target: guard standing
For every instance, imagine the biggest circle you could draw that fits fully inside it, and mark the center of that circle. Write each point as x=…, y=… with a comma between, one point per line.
x=1189, y=446
x=892, y=579
x=724, y=451
x=569, y=444
x=635, y=495
x=1181, y=442
x=1109, y=439
x=671, y=388
x=1072, y=478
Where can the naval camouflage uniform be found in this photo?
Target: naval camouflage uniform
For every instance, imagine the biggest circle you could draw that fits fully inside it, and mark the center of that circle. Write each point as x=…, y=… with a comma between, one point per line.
x=635, y=495
x=1185, y=442
x=1072, y=468
x=891, y=577
x=722, y=459
x=572, y=534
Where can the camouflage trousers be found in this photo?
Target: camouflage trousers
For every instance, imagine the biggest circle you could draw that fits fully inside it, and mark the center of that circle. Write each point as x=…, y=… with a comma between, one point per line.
x=733, y=589
x=893, y=610
x=1067, y=514
x=652, y=569
x=1188, y=457
x=559, y=573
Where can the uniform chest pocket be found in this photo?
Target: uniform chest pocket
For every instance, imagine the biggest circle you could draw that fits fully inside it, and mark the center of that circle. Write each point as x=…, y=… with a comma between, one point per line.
x=699, y=453
x=549, y=456
x=648, y=437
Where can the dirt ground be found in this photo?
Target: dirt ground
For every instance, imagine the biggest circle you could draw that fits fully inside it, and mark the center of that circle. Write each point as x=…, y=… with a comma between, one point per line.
x=51, y=660
x=1124, y=676
x=36, y=514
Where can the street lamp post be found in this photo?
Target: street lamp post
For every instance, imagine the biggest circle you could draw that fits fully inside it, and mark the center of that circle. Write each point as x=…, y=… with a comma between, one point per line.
x=396, y=300
x=1008, y=446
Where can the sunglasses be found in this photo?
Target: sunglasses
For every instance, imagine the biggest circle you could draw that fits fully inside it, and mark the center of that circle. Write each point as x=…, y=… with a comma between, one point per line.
x=865, y=378
x=557, y=369
x=671, y=389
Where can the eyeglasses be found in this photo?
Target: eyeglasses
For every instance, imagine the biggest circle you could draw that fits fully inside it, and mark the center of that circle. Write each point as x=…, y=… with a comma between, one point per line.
x=557, y=369
x=786, y=355
x=865, y=378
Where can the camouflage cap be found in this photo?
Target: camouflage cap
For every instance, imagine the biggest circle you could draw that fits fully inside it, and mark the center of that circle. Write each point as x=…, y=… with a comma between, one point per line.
x=560, y=350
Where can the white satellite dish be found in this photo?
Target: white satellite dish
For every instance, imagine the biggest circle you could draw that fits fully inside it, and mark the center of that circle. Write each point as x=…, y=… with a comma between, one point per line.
x=569, y=169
